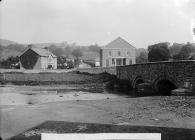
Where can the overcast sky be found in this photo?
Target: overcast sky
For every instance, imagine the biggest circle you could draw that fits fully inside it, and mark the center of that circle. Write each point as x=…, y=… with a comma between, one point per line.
x=140, y=22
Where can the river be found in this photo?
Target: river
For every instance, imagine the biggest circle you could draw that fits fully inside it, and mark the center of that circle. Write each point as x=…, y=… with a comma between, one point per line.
x=30, y=95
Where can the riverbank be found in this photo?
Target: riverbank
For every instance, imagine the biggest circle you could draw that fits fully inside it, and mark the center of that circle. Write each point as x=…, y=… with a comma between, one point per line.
x=84, y=106
x=53, y=78
x=158, y=111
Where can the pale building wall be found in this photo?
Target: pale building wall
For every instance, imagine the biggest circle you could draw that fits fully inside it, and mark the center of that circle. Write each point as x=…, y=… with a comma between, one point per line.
x=45, y=61
x=55, y=62
x=38, y=64
x=108, y=54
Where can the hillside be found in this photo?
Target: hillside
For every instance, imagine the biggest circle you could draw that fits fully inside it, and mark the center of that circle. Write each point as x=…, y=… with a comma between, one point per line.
x=5, y=42
x=10, y=48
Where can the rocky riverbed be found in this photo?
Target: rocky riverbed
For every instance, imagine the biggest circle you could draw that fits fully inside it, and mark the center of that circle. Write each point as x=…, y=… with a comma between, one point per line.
x=89, y=102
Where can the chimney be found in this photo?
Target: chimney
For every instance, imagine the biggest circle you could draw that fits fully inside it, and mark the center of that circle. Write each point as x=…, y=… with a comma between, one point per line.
x=30, y=46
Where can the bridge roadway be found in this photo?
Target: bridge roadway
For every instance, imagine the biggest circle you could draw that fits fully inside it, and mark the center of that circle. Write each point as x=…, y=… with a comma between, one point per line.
x=171, y=75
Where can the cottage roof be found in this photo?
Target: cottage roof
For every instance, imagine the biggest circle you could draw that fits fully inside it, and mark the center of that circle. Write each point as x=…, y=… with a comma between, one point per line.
x=119, y=43
x=41, y=52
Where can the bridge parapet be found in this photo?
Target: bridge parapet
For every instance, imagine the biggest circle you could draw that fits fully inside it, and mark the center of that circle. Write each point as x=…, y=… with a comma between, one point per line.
x=180, y=73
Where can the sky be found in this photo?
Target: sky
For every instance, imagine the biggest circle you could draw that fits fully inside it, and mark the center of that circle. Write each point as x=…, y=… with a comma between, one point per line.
x=86, y=22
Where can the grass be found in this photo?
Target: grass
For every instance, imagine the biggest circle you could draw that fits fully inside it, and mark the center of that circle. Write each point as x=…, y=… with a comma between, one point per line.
x=54, y=78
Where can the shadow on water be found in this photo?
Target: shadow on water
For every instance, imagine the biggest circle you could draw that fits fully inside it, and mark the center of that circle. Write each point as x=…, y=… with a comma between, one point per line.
x=132, y=93
x=122, y=87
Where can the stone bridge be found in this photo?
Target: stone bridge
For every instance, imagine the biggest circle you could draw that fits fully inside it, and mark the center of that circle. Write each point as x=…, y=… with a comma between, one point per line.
x=176, y=74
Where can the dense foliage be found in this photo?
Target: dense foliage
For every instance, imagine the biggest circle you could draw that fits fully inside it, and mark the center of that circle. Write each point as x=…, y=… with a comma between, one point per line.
x=64, y=63
x=158, y=52
x=10, y=62
x=185, y=52
x=142, y=58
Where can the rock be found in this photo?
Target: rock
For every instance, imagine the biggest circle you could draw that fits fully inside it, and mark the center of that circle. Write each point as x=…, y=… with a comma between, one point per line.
x=181, y=91
x=156, y=119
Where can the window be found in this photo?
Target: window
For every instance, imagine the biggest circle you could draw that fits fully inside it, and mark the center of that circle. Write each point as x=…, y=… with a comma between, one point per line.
x=119, y=53
x=130, y=61
x=113, y=61
x=124, y=61
x=118, y=61
x=128, y=53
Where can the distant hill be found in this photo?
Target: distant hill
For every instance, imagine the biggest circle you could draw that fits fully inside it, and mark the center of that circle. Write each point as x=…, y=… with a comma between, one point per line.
x=5, y=42
x=56, y=44
x=10, y=48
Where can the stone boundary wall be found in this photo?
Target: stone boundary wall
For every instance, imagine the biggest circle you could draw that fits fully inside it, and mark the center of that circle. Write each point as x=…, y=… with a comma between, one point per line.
x=36, y=71
x=97, y=70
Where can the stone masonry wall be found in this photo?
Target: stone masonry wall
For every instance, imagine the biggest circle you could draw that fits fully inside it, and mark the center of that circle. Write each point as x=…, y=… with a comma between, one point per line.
x=97, y=70
x=181, y=73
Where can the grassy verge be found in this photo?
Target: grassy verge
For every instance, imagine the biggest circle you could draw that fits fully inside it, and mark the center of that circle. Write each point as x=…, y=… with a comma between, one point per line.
x=54, y=78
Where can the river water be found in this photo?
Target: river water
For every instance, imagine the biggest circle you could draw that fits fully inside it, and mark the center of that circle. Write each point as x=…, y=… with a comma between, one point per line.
x=30, y=95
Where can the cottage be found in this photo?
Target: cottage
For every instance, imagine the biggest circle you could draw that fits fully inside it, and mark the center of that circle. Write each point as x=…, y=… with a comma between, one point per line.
x=37, y=58
x=117, y=53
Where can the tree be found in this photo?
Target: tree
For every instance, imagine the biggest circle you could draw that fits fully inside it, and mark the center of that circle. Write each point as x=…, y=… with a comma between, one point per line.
x=67, y=51
x=142, y=58
x=10, y=62
x=185, y=52
x=77, y=53
x=175, y=48
x=158, y=52
x=94, y=48
x=63, y=63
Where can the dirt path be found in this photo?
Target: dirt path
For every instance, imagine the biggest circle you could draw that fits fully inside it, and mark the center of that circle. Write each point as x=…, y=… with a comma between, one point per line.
x=164, y=111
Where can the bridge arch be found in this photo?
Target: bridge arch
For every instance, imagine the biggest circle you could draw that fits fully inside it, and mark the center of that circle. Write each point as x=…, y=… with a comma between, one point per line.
x=138, y=80
x=164, y=85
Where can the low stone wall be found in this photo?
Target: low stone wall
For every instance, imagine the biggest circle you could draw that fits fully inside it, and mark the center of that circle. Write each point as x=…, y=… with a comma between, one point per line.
x=97, y=70
x=36, y=71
